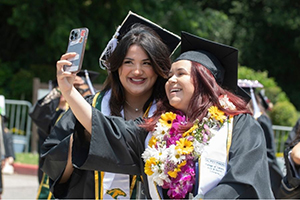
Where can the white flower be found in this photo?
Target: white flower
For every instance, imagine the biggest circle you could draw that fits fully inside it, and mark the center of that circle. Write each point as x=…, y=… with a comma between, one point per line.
x=160, y=154
x=198, y=148
x=160, y=131
x=159, y=176
x=147, y=153
x=174, y=156
x=160, y=160
x=225, y=103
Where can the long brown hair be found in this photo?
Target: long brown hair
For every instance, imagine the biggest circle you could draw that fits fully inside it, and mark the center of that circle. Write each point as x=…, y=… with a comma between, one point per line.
x=158, y=54
x=206, y=94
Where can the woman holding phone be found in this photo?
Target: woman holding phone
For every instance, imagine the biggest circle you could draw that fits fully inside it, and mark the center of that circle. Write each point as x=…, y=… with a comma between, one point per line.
x=136, y=70
x=202, y=143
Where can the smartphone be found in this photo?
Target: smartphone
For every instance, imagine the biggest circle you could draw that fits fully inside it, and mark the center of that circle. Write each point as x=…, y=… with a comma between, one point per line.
x=77, y=42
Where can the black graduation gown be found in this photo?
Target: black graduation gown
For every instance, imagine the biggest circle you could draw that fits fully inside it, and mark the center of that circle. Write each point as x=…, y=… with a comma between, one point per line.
x=292, y=134
x=54, y=154
x=116, y=146
x=275, y=172
x=290, y=186
x=44, y=116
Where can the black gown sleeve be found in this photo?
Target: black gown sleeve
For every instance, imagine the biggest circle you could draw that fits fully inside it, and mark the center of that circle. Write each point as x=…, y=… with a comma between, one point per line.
x=43, y=113
x=115, y=145
x=54, y=154
x=290, y=184
x=275, y=172
x=54, y=151
x=247, y=173
x=292, y=134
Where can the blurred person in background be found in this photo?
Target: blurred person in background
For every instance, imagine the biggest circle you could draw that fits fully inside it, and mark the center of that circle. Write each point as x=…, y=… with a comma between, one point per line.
x=290, y=184
x=258, y=105
x=2, y=152
x=9, y=158
x=48, y=110
x=7, y=154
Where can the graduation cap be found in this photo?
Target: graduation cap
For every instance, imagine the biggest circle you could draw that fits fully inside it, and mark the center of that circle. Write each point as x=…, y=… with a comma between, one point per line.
x=221, y=60
x=92, y=75
x=88, y=76
x=246, y=85
x=249, y=86
x=264, y=99
x=170, y=39
x=242, y=93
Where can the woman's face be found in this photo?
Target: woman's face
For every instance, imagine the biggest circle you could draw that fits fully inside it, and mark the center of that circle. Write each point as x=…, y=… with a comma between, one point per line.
x=179, y=87
x=136, y=73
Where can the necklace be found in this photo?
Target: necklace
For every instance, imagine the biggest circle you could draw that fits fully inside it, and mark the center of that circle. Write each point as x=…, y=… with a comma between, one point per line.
x=136, y=109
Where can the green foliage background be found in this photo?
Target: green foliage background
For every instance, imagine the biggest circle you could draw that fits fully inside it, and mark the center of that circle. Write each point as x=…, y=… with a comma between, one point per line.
x=34, y=35
x=283, y=112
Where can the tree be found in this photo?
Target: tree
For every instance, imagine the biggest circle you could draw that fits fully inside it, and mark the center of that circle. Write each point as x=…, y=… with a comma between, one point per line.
x=267, y=32
x=34, y=34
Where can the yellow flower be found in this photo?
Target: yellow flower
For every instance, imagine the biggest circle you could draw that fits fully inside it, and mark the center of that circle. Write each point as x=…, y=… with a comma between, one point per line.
x=184, y=146
x=190, y=131
x=152, y=141
x=174, y=173
x=182, y=164
x=217, y=114
x=151, y=161
x=167, y=119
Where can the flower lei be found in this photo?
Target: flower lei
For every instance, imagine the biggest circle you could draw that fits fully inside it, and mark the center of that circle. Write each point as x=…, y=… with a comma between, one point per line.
x=171, y=155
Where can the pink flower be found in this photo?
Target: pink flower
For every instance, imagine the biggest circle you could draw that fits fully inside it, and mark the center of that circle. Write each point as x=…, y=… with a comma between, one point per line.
x=185, y=172
x=183, y=183
x=172, y=140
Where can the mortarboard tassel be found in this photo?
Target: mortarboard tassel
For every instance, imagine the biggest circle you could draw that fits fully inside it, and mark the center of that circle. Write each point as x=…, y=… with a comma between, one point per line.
x=109, y=49
x=256, y=110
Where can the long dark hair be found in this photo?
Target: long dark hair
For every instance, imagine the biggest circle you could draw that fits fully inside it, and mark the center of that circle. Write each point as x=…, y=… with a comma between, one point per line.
x=206, y=94
x=158, y=53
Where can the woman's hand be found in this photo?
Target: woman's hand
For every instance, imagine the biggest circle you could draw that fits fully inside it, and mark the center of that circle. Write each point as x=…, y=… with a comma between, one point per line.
x=65, y=79
x=295, y=154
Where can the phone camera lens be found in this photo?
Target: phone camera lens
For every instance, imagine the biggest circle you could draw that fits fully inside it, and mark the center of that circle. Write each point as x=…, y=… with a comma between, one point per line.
x=74, y=35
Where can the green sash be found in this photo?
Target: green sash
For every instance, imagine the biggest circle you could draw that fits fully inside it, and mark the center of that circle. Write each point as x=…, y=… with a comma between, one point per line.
x=99, y=175
x=44, y=190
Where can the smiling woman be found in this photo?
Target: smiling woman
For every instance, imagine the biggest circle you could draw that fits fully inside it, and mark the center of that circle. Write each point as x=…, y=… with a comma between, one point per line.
x=138, y=60
x=137, y=77
x=206, y=145
x=179, y=89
